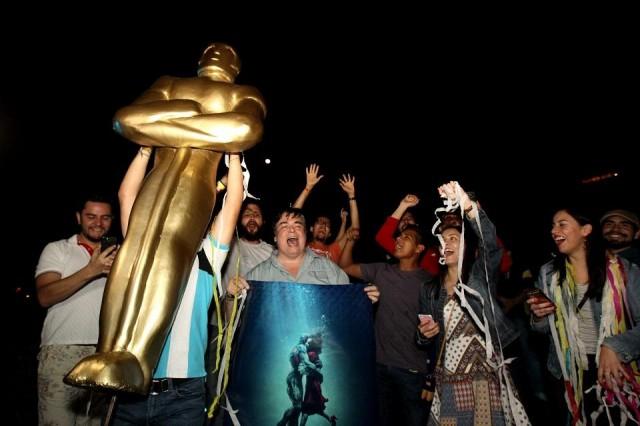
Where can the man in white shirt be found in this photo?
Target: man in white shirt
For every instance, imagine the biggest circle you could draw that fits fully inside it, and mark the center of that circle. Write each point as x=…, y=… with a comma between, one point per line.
x=70, y=279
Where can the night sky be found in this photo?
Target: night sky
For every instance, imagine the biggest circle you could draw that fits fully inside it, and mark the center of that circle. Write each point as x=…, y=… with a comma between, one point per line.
x=510, y=115
x=507, y=110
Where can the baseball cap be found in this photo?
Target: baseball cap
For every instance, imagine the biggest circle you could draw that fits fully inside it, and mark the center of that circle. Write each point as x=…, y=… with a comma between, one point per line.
x=631, y=217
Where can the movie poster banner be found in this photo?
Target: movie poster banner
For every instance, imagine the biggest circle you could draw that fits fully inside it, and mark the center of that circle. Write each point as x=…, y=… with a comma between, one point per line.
x=304, y=352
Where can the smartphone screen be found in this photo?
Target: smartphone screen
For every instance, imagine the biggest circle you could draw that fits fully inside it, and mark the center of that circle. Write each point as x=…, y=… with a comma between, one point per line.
x=106, y=242
x=425, y=318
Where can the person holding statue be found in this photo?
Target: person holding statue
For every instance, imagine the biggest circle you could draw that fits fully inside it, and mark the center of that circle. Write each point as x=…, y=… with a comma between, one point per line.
x=191, y=122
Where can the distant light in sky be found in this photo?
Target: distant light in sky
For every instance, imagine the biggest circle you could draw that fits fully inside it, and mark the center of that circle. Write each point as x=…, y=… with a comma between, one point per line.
x=267, y=161
x=599, y=178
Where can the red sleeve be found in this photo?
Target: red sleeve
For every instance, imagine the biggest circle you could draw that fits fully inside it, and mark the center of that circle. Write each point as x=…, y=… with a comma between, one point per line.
x=335, y=252
x=430, y=261
x=505, y=261
x=384, y=237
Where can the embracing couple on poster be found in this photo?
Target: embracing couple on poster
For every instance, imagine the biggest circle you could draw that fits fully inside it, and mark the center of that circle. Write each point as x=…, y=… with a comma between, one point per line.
x=305, y=361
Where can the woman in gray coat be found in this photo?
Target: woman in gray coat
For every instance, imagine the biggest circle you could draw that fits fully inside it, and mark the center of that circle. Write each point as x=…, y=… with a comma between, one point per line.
x=590, y=305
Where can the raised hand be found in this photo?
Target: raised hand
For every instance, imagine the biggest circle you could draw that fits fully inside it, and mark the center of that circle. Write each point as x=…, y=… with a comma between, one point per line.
x=347, y=183
x=353, y=234
x=312, y=175
x=343, y=215
x=449, y=191
x=410, y=200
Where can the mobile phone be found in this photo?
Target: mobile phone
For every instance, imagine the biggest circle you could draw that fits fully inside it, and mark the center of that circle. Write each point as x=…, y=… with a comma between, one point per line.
x=106, y=242
x=425, y=318
x=539, y=295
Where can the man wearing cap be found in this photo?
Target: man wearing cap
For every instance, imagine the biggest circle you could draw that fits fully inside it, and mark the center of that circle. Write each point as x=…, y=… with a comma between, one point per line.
x=619, y=229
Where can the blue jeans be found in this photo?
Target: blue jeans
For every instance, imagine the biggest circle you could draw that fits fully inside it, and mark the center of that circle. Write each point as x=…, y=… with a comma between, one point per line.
x=399, y=401
x=182, y=404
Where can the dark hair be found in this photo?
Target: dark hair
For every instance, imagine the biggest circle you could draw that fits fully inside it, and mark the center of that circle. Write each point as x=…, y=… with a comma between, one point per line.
x=248, y=201
x=596, y=258
x=469, y=254
x=318, y=216
x=288, y=211
x=418, y=232
x=241, y=229
x=93, y=198
x=410, y=210
x=449, y=220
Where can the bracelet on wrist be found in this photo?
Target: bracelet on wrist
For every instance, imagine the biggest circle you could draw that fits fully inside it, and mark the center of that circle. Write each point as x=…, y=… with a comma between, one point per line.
x=352, y=198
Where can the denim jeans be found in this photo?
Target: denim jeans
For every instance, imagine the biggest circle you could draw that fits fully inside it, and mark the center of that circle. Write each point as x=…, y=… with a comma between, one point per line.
x=399, y=401
x=182, y=404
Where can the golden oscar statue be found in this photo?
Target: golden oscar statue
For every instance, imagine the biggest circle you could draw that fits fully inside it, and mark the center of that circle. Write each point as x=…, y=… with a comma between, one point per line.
x=191, y=122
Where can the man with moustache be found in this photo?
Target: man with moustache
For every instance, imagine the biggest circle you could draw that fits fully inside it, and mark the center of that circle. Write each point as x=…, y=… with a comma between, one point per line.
x=619, y=229
x=249, y=248
x=294, y=262
x=70, y=280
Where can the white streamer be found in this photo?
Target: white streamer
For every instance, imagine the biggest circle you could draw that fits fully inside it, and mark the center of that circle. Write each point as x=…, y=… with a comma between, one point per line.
x=512, y=408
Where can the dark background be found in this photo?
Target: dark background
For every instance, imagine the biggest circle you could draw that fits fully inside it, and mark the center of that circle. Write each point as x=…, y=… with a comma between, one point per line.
x=520, y=111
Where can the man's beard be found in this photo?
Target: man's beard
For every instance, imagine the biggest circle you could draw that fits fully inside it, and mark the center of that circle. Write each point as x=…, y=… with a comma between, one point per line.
x=322, y=239
x=90, y=238
x=616, y=245
x=249, y=236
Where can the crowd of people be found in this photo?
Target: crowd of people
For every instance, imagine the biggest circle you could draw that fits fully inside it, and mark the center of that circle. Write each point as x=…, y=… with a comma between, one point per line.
x=444, y=327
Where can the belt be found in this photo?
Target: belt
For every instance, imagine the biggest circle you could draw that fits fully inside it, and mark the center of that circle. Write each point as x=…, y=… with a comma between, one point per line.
x=164, y=385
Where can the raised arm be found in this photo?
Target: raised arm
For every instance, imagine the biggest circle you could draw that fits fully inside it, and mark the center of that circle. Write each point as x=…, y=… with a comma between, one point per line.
x=342, y=235
x=346, y=258
x=384, y=237
x=348, y=185
x=488, y=249
x=312, y=180
x=225, y=223
x=131, y=184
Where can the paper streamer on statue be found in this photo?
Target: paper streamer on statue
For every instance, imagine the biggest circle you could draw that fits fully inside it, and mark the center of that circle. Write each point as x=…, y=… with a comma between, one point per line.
x=278, y=318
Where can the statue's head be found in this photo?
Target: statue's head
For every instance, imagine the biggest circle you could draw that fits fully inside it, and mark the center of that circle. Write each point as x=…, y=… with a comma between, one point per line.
x=219, y=62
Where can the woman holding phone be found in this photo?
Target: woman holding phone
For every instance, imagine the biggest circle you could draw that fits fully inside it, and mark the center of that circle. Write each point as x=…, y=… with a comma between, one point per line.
x=589, y=305
x=463, y=325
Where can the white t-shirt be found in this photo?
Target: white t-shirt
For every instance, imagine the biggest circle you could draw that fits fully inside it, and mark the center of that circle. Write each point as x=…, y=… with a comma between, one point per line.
x=75, y=320
x=250, y=255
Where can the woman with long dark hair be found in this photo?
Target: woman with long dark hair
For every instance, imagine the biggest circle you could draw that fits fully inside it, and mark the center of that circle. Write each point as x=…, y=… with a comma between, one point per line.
x=465, y=327
x=589, y=303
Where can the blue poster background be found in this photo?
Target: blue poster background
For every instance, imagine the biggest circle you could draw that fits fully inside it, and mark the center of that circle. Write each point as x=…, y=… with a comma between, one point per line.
x=276, y=315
